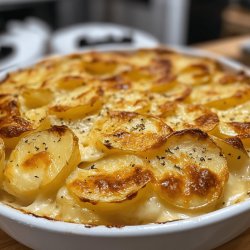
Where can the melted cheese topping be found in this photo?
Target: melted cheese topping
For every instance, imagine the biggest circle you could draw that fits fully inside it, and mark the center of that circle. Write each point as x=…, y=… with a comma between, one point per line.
x=124, y=138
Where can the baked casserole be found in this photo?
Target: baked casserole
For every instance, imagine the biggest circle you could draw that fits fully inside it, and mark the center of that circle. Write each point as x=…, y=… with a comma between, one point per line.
x=124, y=138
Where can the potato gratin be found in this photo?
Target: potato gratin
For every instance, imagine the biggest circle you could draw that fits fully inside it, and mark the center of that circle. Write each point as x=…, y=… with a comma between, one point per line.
x=124, y=138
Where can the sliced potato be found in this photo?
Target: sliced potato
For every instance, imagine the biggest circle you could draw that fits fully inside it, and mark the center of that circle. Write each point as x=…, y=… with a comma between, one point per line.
x=65, y=82
x=178, y=93
x=221, y=96
x=246, y=142
x=182, y=116
x=235, y=121
x=78, y=103
x=237, y=158
x=36, y=98
x=113, y=179
x=2, y=160
x=12, y=123
x=129, y=100
x=194, y=74
x=41, y=160
x=190, y=170
x=128, y=131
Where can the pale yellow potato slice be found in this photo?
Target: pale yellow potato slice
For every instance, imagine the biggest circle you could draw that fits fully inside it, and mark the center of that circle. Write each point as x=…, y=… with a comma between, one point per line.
x=41, y=160
x=128, y=131
x=194, y=74
x=128, y=100
x=113, y=179
x=191, y=170
x=235, y=121
x=238, y=160
x=221, y=96
x=36, y=98
x=180, y=93
x=77, y=103
x=65, y=82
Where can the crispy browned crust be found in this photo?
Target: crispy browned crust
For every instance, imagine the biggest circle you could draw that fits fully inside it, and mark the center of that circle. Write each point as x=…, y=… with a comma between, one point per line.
x=158, y=84
x=201, y=182
x=238, y=77
x=192, y=132
x=117, y=131
x=116, y=185
x=235, y=142
x=240, y=127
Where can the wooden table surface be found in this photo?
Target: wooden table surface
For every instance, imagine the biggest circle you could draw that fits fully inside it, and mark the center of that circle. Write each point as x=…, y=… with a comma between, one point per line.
x=226, y=47
x=229, y=47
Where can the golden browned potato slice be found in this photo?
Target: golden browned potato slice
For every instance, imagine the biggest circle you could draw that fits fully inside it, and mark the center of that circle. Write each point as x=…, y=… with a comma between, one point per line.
x=184, y=64
x=157, y=76
x=129, y=100
x=191, y=170
x=235, y=121
x=16, y=119
x=36, y=98
x=41, y=160
x=246, y=142
x=12, y=123
x=77, y=103
x=113, y=179
x=178, y=93
x=181, y=116
x=2, y=160
x=195, y=74
x=221, y=96
x=31, y=77
x=237, y=158
x=66, y=82
x=128, y=131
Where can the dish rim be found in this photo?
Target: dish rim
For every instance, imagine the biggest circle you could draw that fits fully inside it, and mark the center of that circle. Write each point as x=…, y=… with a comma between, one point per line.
x=151, y=229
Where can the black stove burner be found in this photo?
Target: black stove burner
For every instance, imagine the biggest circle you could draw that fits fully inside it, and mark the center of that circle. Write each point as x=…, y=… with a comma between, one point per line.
x=5, y=51
x=85, y=41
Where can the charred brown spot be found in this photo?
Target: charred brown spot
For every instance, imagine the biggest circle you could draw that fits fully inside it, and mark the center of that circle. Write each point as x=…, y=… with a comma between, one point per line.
x=202, y=181
x=209, y=119
x=13, y=126
x=61, y=130
x=39, y=159
x=235, y=142
x=172, y=185
x=168, y=108
x=115, y=183
x=120, y=134
x=59, y=108
x=185, y=94
x=192, y=132
x=240, y=127
x=107, y=144
x=233, y=78
x=160, y=67
x=12, y=131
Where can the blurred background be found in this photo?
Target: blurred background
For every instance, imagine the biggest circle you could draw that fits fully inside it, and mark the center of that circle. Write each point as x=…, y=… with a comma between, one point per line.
x=30, y=29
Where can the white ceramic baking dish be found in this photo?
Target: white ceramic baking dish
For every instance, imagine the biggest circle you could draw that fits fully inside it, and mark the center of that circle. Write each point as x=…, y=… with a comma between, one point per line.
x=203, y=232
